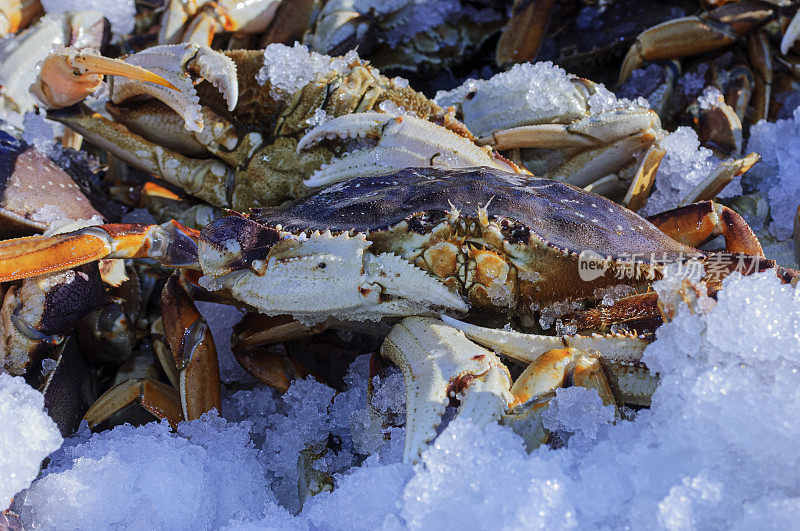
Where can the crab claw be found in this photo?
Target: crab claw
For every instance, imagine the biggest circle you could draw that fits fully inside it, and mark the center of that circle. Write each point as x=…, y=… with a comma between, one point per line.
x=68, y=75
x=438, y=364
x=183, y=65
x=392, y=143
x=526, y=348
x=318, y=275
x=194, y=355
x=621, y=354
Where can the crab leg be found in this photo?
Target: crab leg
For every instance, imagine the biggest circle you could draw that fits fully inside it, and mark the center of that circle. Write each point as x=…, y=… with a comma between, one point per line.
x=209, y=18
x=159, y=399
x=526, y=348
x=206, y=179
x=643, y=180
x=536, y=386
x=694, y=35
x=633, y=383
x=791, y=34
x=171, y=244
x=718, y=179
x=16, y=14
x=584, y=168
x=523, y=33
x=597, y=130
x=760, y=53
x=718, y=127
x=193, y=351
x=698, y=223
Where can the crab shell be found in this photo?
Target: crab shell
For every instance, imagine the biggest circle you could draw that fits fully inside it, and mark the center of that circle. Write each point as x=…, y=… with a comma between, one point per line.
x=34, y=191
x=503, y=241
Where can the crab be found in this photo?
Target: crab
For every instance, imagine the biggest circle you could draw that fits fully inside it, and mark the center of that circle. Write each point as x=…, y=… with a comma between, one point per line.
x=583, y=135
x=261, y=138
x=421, y=242
x=411, y=37
x=764, y=25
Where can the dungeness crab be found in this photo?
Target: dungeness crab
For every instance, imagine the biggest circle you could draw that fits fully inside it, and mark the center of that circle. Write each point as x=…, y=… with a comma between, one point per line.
x=419, y=242
x=240, y=138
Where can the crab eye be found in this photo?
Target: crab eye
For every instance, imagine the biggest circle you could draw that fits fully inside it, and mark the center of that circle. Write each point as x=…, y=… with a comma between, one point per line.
x=322, y=265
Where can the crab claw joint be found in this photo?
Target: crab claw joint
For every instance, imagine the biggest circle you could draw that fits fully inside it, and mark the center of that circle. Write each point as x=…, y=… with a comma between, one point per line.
x=438, y=364
x=67, y=76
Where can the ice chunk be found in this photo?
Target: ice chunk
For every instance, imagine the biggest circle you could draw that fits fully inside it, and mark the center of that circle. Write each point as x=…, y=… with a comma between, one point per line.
x=38, y=131
x=710, y=98
x=544, y=89
x=685, y=165
x=694, y=82
x=364, y=499
x=27, y=436
x=472, y=478
x=643, y=81
x=289, y=68
x=319, y=118
x=775, y=176
x=577, y=411
x=120, y=13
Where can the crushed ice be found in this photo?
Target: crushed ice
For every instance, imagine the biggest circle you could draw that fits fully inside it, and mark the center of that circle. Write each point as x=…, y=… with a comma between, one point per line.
x=28, y=435
x=775, y=176
x=685, y=165
x=289, y=68
x=717, y=448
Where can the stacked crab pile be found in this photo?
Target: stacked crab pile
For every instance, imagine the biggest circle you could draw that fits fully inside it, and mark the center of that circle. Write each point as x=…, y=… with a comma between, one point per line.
x=466, y=271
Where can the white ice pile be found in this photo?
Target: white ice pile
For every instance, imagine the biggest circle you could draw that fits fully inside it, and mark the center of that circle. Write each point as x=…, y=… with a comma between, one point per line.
x=289, y=68
x=685, y=165
x=776, y=175
x=716, y=450
x=120, y=13
x=27, y=436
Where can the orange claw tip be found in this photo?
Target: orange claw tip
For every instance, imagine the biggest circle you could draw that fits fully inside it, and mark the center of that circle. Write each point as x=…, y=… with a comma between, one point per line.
x=97, y=64
x=151, y=189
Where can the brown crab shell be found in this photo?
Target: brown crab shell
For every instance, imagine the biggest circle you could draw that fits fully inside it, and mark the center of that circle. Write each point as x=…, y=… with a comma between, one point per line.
x=501, y=239
x=33, y=190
